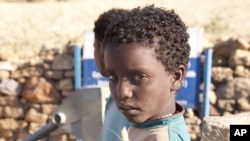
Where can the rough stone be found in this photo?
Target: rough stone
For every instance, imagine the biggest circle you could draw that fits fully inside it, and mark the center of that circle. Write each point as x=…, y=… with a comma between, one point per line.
x=54, y=74
x=31, y=71
x=46, y=66
x=202, y=86
x=21, y=80
x=193, y=136
x=34, y=116
x=34, y=61
x=212, y=97
x=241, y=87
x=239, y=57
x=21, y=136
x=65, y=84
x=35, y=106
x=69, y=73
x=213, y=111
x=48, y=57
x=6, y=134
x=49, y=49
x=10, y=87
x=62, y=137
x=189, y=113
x=243, y=43
x=222, y=74
x=217, y=128
x=33, y=127
x=226, y=113
x=237, y=88
x=39, y=90
x=193, y=121
x=15, y=74
x=241, y=71
x=223, y=50
x=8, y=100
x=6, y=65
x=48, y=109
x=243, y=104
x=27, y=72
x=48, y=53
x=13, y=112
x=1, y=112
x=63, y=62
x=70, y=46
x=11, y=124
x=4, y=74
x=227, y=105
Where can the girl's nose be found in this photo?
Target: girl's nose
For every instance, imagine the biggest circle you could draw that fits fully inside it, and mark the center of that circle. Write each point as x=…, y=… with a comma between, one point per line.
x=124, y=89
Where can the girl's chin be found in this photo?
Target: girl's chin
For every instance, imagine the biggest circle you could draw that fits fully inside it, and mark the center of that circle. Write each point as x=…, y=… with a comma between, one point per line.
x=136, y=119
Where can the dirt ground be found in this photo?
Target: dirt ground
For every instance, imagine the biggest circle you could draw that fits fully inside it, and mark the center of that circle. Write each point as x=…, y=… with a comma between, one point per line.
x=25, y=26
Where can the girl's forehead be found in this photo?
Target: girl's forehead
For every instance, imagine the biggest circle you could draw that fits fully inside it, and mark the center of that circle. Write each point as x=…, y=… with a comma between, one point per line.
x=130, y=45
x=130, y=55
x=130, y=51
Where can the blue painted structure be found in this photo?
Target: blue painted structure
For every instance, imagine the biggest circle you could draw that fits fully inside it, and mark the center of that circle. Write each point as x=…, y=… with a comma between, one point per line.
x=78, y=67
x=188, y=95
x=78, y=70
x=207, y=81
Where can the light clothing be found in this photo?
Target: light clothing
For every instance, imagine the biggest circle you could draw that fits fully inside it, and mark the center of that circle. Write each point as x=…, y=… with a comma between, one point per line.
x=113, y=123
x=165, y=129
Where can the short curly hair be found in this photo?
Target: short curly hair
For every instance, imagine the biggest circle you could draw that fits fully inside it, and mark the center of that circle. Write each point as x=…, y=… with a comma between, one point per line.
x=155, y=27
x=105, y=20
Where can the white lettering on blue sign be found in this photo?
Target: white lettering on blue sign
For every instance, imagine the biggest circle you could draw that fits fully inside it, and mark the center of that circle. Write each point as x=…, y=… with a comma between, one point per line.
x=96, y=75
x=191, y=74
x=102, y=83
x=184, y=83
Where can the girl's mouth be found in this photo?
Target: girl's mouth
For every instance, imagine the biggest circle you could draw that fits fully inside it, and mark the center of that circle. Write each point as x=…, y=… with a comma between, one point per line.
x=128, y=110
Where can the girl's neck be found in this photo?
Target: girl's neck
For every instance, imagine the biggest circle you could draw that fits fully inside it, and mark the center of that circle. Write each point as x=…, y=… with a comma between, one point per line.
x=168, y=111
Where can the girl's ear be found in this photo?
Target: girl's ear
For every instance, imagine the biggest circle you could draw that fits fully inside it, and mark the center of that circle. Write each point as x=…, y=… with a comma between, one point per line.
x=177, y=77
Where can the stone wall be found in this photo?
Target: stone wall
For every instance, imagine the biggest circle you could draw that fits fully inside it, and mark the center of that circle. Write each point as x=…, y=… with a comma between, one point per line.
x=32, y=86
x=218, y=127
x=31, y=89
x=230, y=91
x=231, y=77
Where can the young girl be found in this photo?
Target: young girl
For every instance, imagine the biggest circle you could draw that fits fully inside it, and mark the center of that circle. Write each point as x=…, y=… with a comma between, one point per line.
x=110, y=131
x=146, y=55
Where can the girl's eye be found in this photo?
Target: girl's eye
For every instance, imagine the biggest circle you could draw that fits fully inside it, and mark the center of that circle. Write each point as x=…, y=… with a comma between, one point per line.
x=112, y=77
x=138, y=77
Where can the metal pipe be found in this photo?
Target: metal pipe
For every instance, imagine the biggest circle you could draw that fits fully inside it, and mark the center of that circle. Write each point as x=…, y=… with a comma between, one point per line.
x=42, y=132
x=77, y=68
x=207, y=81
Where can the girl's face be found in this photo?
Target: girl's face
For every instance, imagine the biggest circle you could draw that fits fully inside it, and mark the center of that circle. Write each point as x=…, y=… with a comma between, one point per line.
x=139, y=84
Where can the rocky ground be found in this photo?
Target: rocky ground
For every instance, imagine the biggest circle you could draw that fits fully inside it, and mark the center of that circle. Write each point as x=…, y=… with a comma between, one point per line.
x=25, y=26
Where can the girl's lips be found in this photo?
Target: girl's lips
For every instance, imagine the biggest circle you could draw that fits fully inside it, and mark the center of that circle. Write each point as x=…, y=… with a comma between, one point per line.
x=128, y=110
